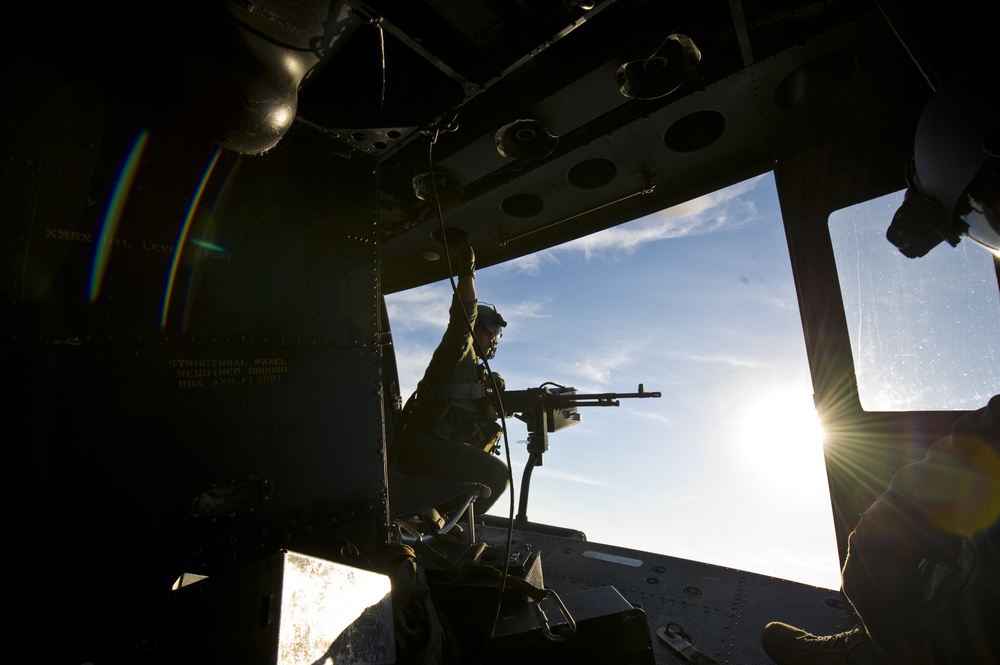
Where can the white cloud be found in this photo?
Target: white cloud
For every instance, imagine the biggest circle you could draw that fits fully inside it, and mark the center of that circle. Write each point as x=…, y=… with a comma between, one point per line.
x=602, y=371
x=787, y=304
x=411, y=360
x=611, y=363
x=420, y=308
x=589, y=370
x=549, y=472
x=527, y=265
x=732, y=361
x=526, y=309
x=686, y=219
x=648, y=415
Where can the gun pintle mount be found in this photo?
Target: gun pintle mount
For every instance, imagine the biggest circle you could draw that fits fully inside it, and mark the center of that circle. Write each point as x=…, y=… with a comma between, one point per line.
x=550, y=408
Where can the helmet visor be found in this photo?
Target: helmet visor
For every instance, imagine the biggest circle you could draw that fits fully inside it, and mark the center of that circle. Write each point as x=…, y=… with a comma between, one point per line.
x=489, y=318
x=492, y=327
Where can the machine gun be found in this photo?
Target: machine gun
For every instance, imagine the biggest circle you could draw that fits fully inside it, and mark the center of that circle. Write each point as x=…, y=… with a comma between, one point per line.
x=550, y=408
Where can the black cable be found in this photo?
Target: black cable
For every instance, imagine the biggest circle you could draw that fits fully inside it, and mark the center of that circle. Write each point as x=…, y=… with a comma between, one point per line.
x=381, y=42
x=496, y=392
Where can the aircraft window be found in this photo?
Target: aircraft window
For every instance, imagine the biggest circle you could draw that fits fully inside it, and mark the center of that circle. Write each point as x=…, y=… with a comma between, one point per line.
x=696, y=302
x=925, y=332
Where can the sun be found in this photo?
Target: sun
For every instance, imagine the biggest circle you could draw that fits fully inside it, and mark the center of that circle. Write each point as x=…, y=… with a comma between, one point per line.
x=779, y=437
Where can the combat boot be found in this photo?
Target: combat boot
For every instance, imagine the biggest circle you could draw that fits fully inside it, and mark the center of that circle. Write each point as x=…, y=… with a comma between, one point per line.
x=788, y=645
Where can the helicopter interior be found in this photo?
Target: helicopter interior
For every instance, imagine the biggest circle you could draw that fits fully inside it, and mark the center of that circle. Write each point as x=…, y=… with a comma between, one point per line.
x=204, y=208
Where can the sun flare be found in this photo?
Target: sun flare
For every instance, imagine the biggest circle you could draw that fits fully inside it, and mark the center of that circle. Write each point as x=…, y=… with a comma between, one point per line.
x=780, y=437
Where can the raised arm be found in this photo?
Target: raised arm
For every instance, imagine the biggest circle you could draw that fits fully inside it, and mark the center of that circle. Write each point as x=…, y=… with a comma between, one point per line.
x=466, y=271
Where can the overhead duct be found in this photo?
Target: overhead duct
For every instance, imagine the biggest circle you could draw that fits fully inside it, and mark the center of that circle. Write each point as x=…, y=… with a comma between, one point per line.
x=443, y=188
x=525, y=139
x=661, y=73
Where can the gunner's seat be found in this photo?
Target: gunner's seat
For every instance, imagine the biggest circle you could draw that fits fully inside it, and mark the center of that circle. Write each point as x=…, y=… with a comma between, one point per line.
x=415, y=508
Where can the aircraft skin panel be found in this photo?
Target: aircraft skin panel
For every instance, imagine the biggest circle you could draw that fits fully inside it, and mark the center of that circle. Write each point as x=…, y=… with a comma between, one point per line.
x=662, y=152
x=723, y=610
x=184, y=411
x=219, y=418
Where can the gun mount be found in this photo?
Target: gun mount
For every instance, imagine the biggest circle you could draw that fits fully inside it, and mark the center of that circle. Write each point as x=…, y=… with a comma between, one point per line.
x=550, y=408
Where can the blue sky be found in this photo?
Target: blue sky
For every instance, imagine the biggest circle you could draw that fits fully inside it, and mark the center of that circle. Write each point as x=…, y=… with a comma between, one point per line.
x=696, y=302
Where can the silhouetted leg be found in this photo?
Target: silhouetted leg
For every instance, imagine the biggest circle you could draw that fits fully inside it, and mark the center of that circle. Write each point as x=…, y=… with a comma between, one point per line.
x=448, y=460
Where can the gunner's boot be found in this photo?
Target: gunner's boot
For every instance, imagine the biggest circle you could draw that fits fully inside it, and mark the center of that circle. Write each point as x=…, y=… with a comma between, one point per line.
x=788, y=645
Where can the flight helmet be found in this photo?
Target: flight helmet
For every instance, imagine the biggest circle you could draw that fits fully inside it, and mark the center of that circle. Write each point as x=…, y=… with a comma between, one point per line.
x=489, y=320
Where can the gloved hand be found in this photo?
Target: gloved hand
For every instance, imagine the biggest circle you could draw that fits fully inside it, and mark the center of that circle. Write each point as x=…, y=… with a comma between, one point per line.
x=501, y=385
x=466, y=258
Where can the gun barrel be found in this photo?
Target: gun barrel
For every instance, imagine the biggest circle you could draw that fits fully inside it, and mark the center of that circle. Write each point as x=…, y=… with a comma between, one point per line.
x=604, y=396
x=525, y=400
x=596, y=399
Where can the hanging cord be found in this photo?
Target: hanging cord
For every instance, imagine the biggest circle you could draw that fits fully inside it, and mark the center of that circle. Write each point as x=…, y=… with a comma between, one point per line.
x=496, y=391
x=377, y=22
x=381, y=44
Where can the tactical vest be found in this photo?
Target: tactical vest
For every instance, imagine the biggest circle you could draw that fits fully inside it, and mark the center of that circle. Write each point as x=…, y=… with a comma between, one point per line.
x=455, y=411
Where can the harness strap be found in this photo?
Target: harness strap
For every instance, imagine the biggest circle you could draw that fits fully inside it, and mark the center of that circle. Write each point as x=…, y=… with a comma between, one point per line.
x=459, y=391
